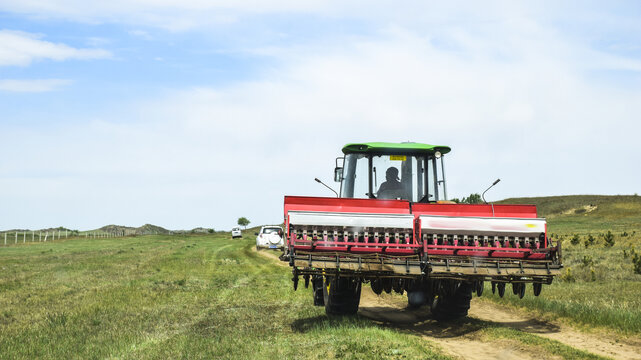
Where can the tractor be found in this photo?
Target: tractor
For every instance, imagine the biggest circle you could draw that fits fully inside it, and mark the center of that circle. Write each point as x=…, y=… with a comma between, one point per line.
x=392, y=226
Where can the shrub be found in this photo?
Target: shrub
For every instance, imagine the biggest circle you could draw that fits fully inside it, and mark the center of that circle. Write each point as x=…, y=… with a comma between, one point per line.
x=575, y=240
x=568, y=276
x=591, y=239
x=587, y=261
x=609, y=239
x=586, y=243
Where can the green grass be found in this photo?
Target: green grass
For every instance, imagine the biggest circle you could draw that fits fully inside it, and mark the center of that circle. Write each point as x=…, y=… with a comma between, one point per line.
x=159, y=296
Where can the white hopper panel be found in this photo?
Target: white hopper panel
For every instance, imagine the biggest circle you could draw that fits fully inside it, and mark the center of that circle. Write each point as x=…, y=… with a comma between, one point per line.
x=482, y=225
x=309, y=218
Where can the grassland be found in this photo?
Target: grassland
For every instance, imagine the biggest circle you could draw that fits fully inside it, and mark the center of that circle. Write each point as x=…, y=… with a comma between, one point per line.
x=161, y=296
x=598, y=286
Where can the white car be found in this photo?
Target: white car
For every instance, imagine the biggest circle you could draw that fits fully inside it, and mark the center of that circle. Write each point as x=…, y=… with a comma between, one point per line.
x=235, y=233
x=270, y=237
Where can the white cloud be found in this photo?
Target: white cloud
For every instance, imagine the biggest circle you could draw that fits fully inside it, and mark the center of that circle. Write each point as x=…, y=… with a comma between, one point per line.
x=32, y=86
x=22, y=48
x=141, y=34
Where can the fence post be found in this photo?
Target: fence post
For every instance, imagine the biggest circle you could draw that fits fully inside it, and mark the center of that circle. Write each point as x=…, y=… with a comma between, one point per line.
x=16, y=237
x=33, y=236
x=24, y=237
x=39, y=236
x=46, y=235
x=5, y=239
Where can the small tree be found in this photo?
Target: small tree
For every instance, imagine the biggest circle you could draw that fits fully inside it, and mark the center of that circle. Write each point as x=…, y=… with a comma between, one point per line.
x=473, y=199
x=609, y=239
x=242, y=221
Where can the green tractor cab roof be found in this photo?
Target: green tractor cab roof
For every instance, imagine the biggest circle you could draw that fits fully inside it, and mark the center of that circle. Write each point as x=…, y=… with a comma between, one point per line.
x=383, y=148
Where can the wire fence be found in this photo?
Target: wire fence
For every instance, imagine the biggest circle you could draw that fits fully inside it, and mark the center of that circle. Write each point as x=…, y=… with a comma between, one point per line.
x=22, y=237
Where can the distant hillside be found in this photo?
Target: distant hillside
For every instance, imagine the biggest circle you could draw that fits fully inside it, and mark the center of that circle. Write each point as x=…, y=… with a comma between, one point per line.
x=146, y=229
x=586, y=212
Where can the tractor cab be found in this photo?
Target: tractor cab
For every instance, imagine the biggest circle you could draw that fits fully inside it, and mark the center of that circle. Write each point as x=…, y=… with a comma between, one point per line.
x=404, y=171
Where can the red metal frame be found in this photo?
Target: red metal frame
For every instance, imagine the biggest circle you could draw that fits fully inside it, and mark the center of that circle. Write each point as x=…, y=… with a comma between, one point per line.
x=371, y=206
x=416, y=244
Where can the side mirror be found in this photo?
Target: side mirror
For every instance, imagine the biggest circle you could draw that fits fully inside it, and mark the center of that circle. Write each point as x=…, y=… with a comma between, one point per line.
x=280, y=233
x=256, y=234
x=338, y=174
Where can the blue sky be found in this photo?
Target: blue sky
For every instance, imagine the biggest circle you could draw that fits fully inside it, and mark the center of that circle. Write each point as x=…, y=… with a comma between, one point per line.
x=194, y=113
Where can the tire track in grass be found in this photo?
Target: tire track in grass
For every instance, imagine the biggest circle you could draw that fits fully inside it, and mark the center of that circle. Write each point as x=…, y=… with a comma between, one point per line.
x=271, y=255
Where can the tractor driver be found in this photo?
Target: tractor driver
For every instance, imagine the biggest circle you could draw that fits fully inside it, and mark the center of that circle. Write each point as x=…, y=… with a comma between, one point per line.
x=392, y=186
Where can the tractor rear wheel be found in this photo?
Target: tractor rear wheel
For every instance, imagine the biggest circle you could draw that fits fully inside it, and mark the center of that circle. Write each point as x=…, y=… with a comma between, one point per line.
x=341, y=295
x=449, y=307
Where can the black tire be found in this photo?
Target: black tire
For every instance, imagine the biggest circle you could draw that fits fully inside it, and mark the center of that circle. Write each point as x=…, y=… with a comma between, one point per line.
x=341, y=295
x=449, y=307
x=501, y=289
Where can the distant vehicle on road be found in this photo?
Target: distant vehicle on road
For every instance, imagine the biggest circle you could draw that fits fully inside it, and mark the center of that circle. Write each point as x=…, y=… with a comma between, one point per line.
x=236, y=233
x=270, y=237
